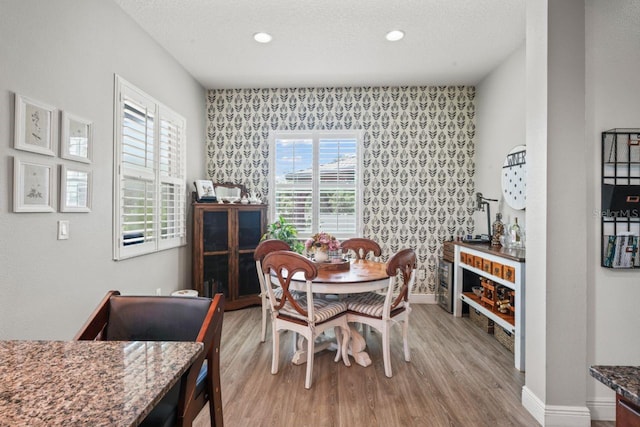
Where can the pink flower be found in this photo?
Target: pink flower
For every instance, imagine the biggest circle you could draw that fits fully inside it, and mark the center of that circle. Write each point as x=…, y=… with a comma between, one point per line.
x=322, y=241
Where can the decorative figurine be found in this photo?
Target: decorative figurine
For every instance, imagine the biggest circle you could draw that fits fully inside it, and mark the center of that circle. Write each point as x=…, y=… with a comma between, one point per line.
x=497, y=230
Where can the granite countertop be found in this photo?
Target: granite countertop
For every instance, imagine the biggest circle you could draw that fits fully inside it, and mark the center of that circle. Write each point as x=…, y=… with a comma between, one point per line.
x=624, y=380
x=69, y=383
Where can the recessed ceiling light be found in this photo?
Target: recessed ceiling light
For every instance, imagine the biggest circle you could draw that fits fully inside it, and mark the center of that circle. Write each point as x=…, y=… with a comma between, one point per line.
x=395, y=35
x=262, y=37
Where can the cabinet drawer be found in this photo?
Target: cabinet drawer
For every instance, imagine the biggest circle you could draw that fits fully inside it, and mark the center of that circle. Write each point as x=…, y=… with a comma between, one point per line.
x=463, y=258
x=486, y=265
x=477, y=262
x=496, y=269
x=509, y=273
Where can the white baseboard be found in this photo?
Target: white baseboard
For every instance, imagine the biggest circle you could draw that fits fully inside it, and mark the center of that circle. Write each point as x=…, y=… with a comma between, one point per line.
x=554, y=415
x=532, y=404
x=602, y=409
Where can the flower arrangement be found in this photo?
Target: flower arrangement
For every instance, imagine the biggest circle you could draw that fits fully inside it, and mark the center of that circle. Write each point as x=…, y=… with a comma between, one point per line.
x=322, y=242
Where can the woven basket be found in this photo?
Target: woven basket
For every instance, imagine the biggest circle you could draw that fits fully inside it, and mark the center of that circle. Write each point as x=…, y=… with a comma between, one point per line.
x=482, y=321
x=504, y=337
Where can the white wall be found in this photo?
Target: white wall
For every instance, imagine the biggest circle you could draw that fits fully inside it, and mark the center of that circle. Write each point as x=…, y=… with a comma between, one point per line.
x=612, y=88
x=555, y=389
x=500, y=126
x=65, y=53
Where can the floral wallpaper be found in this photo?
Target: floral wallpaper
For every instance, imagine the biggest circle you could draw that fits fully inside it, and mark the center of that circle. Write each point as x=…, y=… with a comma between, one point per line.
x=418, y=148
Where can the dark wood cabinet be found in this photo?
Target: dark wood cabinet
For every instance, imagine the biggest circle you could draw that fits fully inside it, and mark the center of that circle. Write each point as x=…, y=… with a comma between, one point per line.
x=627, y=413
x=224, y=239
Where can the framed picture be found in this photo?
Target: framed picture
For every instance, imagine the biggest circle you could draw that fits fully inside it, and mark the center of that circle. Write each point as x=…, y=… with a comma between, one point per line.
x=229, y=192
x=76, y=138
x=33, y=189
x=34, y=126
x=204, y=190
x=75, y=190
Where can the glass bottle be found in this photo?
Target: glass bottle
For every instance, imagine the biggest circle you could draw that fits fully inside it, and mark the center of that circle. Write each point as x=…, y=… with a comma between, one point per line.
x=515, y=234
x=497, y=230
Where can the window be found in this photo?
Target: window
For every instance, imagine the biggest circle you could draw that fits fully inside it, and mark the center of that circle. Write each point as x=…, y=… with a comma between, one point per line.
x=315, y=181
x=149, y=174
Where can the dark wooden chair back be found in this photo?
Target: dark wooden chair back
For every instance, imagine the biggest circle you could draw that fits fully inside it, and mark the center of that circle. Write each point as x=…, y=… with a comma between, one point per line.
x=169, y=318
x=402, y=264
x=361, y=247
x=270, y=245
x=284, y=264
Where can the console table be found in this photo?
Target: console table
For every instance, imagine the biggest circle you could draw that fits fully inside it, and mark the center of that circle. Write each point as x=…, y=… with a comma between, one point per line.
x=501, y=266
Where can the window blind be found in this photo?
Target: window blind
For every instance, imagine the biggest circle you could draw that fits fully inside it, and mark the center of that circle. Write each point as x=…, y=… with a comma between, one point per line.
x=150, y=175
x=315, y=182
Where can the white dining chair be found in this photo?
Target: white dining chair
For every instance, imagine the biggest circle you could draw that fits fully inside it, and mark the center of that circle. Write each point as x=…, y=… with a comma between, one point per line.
x=305, y=315
x=263, y=248
x=381, y=311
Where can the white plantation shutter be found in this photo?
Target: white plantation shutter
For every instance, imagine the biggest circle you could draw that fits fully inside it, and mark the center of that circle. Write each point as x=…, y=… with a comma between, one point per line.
x=172, y=180
x=150, y=199
x=315, y=182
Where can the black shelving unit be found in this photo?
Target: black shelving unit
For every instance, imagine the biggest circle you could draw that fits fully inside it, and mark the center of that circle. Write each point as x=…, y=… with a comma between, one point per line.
x=620, y=204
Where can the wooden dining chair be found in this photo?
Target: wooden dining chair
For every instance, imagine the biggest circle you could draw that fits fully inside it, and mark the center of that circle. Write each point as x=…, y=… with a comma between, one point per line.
x=169, y=318
x=361, y=247
x=263, y=248
x=307, y=316
x=381, y=311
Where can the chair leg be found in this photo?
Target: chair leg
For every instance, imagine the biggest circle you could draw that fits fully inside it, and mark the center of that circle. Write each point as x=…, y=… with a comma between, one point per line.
x=263, y=337
x=310, y=350
x=275, y=356
x=344, y=345
x=386, y=356
x=405, y=339
x=339, y=338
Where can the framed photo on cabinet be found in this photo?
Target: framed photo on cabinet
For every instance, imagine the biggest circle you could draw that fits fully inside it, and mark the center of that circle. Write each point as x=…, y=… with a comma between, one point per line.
x=34, y=126
x=75, y=190
x=204, y=190
x=33, y=186
x=76, y=138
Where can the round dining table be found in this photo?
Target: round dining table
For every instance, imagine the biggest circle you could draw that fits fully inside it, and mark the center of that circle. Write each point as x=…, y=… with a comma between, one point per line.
x=362, y=276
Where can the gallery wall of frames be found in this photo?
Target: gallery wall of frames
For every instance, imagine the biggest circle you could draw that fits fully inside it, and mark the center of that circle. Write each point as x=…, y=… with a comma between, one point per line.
x=51, y=166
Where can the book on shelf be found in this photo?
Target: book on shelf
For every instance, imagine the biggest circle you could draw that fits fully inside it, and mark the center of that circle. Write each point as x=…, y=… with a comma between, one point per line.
x=622, y=251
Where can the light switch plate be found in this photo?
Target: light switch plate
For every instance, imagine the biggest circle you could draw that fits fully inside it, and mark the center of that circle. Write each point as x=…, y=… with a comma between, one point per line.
x=63, y=230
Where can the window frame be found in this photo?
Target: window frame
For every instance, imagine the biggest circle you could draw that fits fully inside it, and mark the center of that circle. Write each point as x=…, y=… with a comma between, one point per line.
x=315, y=136
x=153, y=175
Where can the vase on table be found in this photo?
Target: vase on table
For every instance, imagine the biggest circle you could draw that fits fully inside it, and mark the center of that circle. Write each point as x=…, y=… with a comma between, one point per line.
x=321, y=256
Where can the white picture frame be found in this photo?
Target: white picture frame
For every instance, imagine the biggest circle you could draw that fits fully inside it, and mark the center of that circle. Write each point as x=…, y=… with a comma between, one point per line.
x=76, y=138
x=75, y=189
x=33, y=186
x=205, y=189
x=34, y=126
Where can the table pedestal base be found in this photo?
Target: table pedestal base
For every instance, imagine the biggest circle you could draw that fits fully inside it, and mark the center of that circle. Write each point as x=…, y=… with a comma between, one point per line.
x=357, y=346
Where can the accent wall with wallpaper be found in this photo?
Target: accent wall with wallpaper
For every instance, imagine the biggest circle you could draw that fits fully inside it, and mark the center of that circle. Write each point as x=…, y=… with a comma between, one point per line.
x=418, y=146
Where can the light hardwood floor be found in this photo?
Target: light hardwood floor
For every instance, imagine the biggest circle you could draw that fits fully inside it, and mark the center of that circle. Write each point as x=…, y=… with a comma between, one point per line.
x=458, y=376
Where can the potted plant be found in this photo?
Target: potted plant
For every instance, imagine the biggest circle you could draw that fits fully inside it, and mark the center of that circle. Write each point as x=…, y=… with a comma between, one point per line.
x=285, y=231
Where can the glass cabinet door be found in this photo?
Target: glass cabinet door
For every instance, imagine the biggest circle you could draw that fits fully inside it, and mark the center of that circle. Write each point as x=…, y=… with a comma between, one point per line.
x=216, y=275
x=249, y=229
x=248, y=283
x=215, y=231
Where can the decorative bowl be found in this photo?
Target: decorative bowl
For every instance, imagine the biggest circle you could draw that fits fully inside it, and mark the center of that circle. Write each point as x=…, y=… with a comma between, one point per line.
x=477, y=290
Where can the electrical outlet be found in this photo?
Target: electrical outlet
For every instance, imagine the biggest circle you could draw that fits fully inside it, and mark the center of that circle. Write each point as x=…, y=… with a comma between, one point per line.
x=422, y=274
x=158, y=291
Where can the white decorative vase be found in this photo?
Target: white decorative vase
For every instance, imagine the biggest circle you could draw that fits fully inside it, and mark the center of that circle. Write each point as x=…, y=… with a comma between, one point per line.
x=321, y=256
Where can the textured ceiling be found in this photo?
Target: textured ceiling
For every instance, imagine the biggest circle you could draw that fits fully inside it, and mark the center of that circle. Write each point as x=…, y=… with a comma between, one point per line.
x=333, y=42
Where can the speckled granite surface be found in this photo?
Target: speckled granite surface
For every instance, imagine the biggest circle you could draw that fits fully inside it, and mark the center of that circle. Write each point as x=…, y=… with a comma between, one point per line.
x=87, y=383
x=624, y=380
